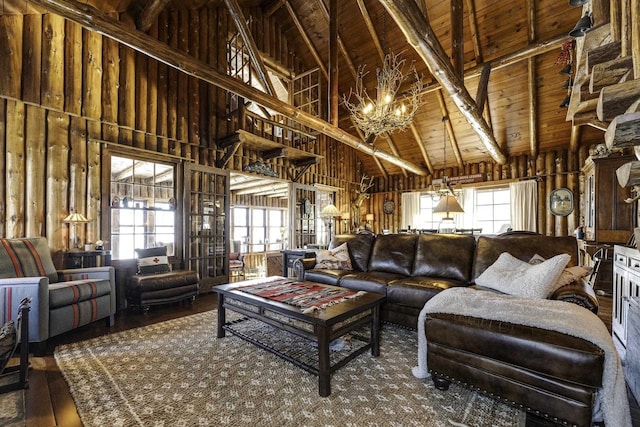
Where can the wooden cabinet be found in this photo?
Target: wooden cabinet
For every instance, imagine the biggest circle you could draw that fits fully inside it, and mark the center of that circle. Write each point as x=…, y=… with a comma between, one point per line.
x=632, y=358
x=608, y=219
x=626, y=284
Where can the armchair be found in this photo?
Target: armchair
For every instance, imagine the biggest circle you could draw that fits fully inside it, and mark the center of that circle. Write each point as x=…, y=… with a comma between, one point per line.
x=61, y=300
x=236, y=259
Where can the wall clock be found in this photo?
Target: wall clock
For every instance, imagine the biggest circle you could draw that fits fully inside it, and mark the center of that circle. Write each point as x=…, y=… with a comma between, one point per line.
x=388, y=207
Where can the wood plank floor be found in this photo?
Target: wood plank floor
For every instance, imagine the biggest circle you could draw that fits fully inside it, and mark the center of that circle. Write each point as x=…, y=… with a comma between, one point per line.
x=49, y=402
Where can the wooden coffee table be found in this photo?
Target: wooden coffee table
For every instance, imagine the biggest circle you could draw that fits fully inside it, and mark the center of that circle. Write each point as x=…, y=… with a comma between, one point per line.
x=320, y=326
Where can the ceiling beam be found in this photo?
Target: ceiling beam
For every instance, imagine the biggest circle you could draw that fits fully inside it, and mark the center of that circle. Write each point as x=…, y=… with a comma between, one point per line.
x=148, y=16
x=372, y=32
x=423, y=148
x=378, y=162
x=241, y=25
x=307, y=40
x=393, y=148
x=533, y=106
x=94, y=20
x=334, y=38
x=457, y=37
x=473, y=28
x=420, y=35
x=341, y=46
x=449, y=130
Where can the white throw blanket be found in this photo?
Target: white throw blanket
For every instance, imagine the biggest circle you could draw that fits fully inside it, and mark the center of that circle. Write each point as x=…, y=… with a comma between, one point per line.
x=611, y=405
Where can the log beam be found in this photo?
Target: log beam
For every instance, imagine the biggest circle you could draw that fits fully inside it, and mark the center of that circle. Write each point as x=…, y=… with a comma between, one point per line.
x=457, y=37
x=149, y=14
x=421, y=145
x=372, y=32
x=420, y=35
x=307, y=40
x=333, y=61
x=241, y=25
x=623, y=131
x=629, y=174
x=449, y=129
x=603, y=53
x=610, y=73
x=614, y=100
x=95, y=20
x=473, y=28
x=533, y=107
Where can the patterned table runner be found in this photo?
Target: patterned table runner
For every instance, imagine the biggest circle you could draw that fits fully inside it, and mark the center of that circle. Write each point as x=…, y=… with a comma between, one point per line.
x=307, y=296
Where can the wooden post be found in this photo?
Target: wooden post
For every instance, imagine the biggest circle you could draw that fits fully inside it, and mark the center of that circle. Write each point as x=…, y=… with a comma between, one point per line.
x=333, y=62
x=457, y=37
x=15, y=169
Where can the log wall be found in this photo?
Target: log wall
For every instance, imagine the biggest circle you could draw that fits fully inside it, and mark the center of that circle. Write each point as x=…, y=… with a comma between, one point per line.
x=64, y=89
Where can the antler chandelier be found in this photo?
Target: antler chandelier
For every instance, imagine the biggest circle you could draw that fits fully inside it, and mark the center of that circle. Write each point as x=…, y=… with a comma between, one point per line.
x=385, y=113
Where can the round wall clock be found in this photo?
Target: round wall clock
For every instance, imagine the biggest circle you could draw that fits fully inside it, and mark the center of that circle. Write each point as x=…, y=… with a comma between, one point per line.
x=388, y=207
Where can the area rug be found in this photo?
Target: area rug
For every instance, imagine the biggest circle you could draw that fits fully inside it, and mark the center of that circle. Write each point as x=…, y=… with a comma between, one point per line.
x=11, y=404
x=177, y=373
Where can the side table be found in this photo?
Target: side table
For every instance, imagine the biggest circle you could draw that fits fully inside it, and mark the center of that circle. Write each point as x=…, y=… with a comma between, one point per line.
x=83, y=259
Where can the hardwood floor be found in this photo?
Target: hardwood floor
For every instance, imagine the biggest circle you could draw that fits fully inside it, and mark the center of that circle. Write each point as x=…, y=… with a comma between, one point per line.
x=49, y=402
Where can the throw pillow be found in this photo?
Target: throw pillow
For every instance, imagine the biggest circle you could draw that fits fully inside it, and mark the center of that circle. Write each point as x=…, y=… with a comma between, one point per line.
x=153, y=260
x=337, y=258
x=513, y=276
x=569, y=274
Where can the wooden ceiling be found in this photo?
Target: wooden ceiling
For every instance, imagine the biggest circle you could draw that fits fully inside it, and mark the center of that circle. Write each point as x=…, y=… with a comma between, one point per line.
x=521, y=41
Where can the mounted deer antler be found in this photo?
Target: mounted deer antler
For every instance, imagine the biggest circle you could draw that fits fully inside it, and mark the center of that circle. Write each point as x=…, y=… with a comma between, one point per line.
x=362, y=192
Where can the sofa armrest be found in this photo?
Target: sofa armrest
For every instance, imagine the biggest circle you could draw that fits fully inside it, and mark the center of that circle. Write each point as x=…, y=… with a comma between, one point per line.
x=92, y=273
x=13, y=290
x=303, y=264
x=578, y=292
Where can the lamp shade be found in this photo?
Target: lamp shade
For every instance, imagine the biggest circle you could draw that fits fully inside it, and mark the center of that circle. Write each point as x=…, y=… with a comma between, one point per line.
x=583, y=25
x=75, y=217
x=330, y=210
x=369, y=217
x=346, y=215
x=447, y=205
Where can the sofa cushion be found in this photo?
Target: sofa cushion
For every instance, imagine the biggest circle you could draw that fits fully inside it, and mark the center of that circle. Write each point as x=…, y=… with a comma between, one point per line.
x=168, y=280
x=359, y=248
x=153, y=260
x=328, y=277
x=28, y=257
x=448, y=256
x=67, y=293
x=417, y=290
x=337, y=258
x=512, y=276
x=394, y=253
x=523, y=247
x=371, y=281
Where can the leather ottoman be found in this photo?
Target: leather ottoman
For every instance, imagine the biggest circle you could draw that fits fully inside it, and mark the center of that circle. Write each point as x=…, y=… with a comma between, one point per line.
x=144, y=290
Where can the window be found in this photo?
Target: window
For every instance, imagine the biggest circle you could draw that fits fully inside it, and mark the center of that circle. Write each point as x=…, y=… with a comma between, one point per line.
x=259, y=229
x=492, y=209
x=142, y=206
x=427, y=221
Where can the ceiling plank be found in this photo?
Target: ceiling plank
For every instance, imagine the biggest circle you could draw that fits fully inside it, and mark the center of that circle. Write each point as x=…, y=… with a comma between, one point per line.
x=148, y=16
x=95, y=20
x=241, y=25
x=421, y=36
x=449, y=129
x=307, y=40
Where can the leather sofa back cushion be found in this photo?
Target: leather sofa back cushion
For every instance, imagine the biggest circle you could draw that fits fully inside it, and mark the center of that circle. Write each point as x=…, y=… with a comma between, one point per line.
x=445, y=255
x=359, y=248
x=394, y=253
x=523, y=247
x=27, y=257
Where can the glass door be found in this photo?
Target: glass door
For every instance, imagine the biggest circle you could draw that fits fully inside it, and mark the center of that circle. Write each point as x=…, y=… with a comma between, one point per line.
x=207, y=224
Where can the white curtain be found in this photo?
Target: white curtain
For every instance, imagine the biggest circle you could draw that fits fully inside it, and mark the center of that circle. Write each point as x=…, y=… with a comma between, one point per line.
x=524, y=205
x=468, y=200
x=410, y=209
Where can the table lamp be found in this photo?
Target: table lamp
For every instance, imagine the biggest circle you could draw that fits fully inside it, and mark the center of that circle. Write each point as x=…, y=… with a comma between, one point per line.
x=74, y=219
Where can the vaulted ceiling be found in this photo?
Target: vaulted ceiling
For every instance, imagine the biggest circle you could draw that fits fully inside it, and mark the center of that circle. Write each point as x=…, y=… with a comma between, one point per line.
x=521, y=40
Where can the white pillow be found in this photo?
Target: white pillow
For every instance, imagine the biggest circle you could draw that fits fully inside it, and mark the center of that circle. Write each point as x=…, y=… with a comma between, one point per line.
x=569, y=274
x=513, y=276
x=335, y=259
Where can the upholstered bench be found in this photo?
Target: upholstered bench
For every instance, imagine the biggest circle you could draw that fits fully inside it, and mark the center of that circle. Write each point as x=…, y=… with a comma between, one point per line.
x=156, y=283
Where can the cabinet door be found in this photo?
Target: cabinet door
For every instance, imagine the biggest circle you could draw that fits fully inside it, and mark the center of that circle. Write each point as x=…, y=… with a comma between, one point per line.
x=620, y=288
x=207, y=225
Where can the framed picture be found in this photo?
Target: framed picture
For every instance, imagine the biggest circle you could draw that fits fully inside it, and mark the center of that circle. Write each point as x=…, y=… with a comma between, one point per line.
x=561, y=202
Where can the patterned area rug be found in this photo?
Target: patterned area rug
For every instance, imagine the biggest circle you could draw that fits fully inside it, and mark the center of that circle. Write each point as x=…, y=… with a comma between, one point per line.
x=11, y=404
x=177, y=373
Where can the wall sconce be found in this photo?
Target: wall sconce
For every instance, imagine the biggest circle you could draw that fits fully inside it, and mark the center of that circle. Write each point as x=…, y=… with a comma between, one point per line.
x=369, y=218
x=74, y=219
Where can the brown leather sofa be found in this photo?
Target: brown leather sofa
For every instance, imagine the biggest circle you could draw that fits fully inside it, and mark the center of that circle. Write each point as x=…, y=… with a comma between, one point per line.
x=410, y=268
x=551, y=375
